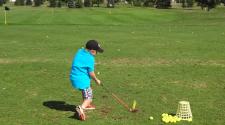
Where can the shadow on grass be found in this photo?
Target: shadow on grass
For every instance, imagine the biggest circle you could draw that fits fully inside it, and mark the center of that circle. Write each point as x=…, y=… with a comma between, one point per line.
x=61, y=106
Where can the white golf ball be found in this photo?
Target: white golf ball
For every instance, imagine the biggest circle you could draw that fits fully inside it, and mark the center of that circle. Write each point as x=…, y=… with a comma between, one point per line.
x=151, y=118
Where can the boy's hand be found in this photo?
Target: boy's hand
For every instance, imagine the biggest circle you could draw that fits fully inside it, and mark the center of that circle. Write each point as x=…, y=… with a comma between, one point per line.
x=92, y=74
x=98, y=82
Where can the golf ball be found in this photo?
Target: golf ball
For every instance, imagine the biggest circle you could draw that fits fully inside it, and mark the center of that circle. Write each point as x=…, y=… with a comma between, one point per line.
x=151, y=118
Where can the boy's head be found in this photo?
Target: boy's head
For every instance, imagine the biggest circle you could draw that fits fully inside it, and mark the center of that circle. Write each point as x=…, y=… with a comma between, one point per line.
x=94, y=47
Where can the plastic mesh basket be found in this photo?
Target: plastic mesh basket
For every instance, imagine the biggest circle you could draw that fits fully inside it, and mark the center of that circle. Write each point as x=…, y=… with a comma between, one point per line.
x=184, y=110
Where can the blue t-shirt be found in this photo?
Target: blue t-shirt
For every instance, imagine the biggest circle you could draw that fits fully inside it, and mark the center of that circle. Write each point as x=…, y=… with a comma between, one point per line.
x=83, y=64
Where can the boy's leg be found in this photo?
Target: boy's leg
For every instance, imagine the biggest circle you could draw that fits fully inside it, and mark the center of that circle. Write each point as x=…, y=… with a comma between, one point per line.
x=87, y=99
x=86, y=103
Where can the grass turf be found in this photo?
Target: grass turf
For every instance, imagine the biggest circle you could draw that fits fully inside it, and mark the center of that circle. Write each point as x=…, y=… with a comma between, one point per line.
x=157, y=57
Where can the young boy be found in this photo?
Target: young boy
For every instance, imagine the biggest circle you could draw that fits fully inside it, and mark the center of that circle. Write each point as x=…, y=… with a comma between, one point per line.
x=82, y=72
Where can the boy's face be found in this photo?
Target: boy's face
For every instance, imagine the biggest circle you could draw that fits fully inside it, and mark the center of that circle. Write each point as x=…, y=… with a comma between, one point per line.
x=93, y=52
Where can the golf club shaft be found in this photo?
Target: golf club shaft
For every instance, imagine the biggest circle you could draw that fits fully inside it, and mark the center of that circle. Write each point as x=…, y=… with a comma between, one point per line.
x=117, y=98
x=120, y=101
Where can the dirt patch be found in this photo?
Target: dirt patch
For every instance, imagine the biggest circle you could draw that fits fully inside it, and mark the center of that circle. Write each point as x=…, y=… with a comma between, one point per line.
x=195, y=85
x=200, y=86
x=219, y=63
x=134, y=62
x=17, y=61
x=104, y=96
x=140, y=62
x=105, y=110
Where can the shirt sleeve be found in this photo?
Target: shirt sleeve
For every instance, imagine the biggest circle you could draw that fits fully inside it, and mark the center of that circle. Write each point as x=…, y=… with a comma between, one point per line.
x=90, y=69
x=91, y=65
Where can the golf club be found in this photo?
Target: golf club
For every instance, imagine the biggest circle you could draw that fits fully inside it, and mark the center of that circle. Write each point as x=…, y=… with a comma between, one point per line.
x=120, y=101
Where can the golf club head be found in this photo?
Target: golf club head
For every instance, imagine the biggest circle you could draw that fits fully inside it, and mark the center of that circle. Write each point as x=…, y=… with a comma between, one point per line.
x=133, y=110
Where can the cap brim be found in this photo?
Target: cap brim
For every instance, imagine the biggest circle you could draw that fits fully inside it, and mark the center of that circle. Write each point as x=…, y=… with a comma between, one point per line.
x=100, y=50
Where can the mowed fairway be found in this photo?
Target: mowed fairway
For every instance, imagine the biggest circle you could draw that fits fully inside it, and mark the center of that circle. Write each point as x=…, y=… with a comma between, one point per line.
x=157, y=57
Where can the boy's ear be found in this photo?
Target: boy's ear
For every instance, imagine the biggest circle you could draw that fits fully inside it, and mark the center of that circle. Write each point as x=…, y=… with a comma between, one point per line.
x=93, y=51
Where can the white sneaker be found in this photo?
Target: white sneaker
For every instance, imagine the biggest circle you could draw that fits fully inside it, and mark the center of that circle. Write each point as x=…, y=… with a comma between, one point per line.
x=80, y=112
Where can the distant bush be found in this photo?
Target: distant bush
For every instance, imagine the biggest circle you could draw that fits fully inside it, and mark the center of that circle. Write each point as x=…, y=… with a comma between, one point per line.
x=209, y=4
x=5, y=1
x=97, y=2
x=55, y=3
x=111, y=3
x=187, y=3
x=71, y=4
x=223, y=1
x=88, y=3
x=137, y=3
x=52, y=3
x=79, y=4
x=163, y=4
x=37, y=3
x=28, y=2
x=59, y=3
x=149, y=3
x=1, y=2
x=19, y=2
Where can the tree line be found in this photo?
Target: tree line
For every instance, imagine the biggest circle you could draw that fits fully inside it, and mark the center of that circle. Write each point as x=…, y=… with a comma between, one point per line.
x=164, y=4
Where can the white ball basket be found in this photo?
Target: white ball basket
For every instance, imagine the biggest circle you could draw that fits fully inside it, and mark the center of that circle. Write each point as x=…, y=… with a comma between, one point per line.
x=184, y=111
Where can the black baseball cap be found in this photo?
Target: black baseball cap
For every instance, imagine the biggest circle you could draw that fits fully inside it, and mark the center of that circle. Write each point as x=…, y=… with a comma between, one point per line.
x=94, y=45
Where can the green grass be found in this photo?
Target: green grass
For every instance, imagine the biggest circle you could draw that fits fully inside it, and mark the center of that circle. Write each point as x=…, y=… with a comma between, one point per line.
x=157, y=57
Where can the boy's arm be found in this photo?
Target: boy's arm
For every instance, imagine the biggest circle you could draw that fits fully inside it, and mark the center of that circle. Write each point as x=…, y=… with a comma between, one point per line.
x=93, y=76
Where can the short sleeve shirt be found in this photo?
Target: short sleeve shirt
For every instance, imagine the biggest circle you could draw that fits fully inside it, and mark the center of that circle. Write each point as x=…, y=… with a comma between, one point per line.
x=83, y=64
